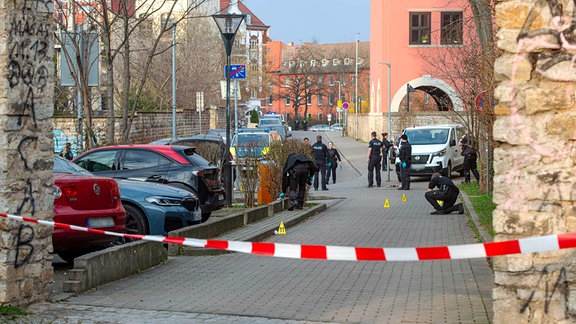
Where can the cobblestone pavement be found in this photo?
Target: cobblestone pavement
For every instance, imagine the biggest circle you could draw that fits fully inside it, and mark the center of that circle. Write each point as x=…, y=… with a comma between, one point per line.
x=243, y=288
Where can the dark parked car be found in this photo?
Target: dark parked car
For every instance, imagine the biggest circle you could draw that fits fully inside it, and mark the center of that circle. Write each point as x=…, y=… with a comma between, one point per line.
x=151, y=208
x=88, y=201
x=156, y=209
x=178, y=166
x=210, y=147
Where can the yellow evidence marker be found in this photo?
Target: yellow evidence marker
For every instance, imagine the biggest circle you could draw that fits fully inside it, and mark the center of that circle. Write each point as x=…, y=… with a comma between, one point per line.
x=403, y=197
x=386, y=203
x=281, y=229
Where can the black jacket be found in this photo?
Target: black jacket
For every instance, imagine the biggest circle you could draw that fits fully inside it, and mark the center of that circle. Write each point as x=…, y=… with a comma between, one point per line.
x=320, y=152
x=444, y=184
x=333, y=156
x=405, y=154
x=293, y=160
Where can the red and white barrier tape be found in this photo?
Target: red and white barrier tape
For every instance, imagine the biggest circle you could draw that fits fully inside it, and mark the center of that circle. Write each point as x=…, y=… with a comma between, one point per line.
x=346, y=253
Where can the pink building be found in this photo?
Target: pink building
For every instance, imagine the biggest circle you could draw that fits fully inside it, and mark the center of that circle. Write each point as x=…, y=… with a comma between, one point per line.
x=401, y=32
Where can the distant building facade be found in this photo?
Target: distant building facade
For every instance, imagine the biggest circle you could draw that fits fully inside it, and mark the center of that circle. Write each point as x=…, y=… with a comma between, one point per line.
x=402, y=33
x=308, y=80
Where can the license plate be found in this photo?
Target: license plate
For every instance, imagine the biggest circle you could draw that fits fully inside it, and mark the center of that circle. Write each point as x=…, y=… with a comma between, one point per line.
x=418, y=167
x=100, y=222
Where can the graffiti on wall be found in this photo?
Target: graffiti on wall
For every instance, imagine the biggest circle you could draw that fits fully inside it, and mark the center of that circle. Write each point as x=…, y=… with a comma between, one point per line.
x=24, y=248
x=560, y=37
x=551, y=286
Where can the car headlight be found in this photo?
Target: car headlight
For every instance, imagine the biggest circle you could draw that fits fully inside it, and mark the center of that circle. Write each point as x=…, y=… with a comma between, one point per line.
x=164, y=201
x=441, y=153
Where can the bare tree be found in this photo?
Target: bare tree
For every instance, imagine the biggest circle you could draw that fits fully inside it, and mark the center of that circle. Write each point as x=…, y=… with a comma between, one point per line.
x=470, y=69
x=117, y=24
x=299, y=79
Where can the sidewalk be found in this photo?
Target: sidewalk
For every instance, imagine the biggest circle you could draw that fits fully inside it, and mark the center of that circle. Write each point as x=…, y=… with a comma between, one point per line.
x=244, y=288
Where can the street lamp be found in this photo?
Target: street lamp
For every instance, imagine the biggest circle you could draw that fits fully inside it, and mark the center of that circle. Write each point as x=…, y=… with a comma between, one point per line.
x=173, y=26
x=339, y=104
x=228, y=25
x=389, y=114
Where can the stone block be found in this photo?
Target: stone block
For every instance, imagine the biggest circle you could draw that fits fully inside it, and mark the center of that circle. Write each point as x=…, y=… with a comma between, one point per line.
x=512, y=67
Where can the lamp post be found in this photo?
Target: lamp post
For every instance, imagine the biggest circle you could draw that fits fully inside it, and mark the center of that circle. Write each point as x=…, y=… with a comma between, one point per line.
x=338, y=103
x=228, y=25
x=173, y=26
x=356, y=84
x=389, y=114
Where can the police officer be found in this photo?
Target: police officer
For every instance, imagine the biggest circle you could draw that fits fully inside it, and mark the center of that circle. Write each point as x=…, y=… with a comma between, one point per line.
x=386, y=145
x=448, y=193
x=470, y=157
x=405, y=156
x=320, y=153
x=298, y=171
x=374, y=149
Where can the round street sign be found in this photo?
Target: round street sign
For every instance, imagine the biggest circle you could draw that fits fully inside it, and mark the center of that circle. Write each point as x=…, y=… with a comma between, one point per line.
x=329, y=117
x=345, y=106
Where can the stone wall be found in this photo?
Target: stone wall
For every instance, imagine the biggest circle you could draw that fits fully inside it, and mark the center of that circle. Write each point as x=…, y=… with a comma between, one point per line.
x=368, y=123
x=535, y=157
x=26, y=93
x=148, y=127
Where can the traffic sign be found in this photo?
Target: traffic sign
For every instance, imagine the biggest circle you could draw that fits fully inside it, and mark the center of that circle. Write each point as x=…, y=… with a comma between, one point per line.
x=339, y=103
x=329, y=117
x=345, y=106
x=237, y=71
x=481, y=100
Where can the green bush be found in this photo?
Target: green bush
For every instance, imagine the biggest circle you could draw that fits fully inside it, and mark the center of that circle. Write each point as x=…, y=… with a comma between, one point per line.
x=277, y=157
x=254, y=117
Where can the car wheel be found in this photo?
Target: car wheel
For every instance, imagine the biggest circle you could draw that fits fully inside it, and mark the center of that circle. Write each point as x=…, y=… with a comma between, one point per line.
x=205, y=216
x=135, y=221
x=70, y=256
x=449, y=170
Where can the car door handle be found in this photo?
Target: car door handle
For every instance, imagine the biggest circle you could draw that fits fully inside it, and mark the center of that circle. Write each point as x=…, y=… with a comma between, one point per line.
x=155, y=177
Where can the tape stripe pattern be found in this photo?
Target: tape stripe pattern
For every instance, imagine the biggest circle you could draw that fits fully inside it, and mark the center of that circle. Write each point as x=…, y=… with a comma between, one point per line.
x=346, y=253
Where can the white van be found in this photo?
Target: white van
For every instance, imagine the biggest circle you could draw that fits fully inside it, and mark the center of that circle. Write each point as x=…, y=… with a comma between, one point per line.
x=435, y=149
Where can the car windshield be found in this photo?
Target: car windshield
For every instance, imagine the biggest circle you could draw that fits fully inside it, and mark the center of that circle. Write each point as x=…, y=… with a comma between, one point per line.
x=427, y=136
x=63, y=166
x=270, y=121
x=254, y=139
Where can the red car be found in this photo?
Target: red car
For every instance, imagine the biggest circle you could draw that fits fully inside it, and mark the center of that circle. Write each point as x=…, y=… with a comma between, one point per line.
x=87, y=201
x=178, y=166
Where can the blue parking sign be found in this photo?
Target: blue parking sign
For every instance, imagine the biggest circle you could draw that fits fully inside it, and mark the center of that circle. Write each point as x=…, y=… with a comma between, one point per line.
x=237, y=71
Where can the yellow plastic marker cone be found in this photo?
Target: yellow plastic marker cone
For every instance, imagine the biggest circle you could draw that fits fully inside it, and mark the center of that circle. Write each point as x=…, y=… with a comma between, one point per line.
x=281, y=229
x=386, y=203
x=403, y=197
x=440, y=202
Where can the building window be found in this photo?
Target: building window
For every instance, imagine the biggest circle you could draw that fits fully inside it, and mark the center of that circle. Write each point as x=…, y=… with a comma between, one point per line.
x=253, y=43
x=354, y=80
x=320, y=80
x=309, y=99
x=270, y=99
x=320, y=99
x=331, y=81
x=419, y=28
x=343, y=79
x=451, y=32
x=330, y=99
x=287, y=101
x=347, y=61
x=287, y=82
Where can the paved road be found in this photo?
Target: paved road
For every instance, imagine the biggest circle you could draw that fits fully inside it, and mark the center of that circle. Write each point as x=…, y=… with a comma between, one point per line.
x=244, y=288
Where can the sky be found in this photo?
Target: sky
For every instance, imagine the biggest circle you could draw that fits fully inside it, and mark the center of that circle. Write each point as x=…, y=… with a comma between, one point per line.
x=325, y=21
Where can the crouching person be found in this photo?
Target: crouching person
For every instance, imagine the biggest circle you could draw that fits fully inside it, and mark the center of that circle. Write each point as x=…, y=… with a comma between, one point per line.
x=298, y=171
x=447, y=192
